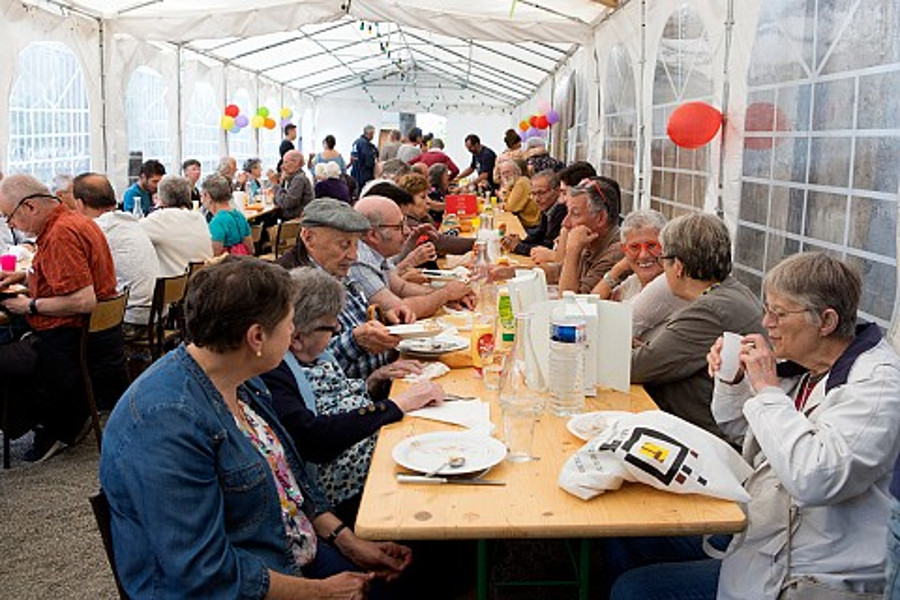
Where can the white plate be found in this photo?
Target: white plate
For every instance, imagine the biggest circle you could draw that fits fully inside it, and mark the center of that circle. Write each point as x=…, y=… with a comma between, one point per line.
x=428, y=451
x=414, y=330
x=440, y=274
x=588, y=425
x=433, y=346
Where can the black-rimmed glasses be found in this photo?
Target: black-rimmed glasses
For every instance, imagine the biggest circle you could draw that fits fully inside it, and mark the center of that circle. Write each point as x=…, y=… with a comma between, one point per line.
x=10, y=216
x=778, y=314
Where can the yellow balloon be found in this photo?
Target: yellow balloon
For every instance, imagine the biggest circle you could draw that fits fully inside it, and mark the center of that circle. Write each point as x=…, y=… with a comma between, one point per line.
x=227, y=122
x=257, y=121
x=286, y=113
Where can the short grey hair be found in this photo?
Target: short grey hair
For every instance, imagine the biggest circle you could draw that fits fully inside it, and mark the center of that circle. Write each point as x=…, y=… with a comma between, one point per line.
x=393, y=168
x=318, y=295
x=20, y=185
x=515, y=165
x=61, y=182
x=550, y=175
x=702, y=244
x=175, y=191
x=437, y=143
x=818, y=282
x=218, y=187
x=436, y=173
x=642, y=219
x=369, y=128
x=226, y=161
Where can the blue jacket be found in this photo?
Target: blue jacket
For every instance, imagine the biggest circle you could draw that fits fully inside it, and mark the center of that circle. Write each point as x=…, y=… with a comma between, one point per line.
x=195, y=510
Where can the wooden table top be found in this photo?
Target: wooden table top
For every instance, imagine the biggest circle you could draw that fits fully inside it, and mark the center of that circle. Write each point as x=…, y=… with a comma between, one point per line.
x=531, y=504
x=253, y=214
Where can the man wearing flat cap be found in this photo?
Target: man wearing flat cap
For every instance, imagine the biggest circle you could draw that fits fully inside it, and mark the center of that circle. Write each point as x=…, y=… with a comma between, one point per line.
x=328, y=239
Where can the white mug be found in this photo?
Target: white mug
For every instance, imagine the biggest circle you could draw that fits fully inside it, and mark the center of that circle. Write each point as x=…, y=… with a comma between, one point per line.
x=730, y=355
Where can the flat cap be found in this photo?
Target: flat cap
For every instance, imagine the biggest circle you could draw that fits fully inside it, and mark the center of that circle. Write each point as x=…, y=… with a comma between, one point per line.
x=328, y=212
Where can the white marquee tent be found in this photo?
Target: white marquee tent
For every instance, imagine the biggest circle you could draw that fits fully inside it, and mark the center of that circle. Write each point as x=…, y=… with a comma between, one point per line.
x=806, y=158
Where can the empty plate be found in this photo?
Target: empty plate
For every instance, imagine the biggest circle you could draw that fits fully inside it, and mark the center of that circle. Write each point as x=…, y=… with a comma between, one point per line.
x=415, y=330
x=428, y=451
x=434, y=346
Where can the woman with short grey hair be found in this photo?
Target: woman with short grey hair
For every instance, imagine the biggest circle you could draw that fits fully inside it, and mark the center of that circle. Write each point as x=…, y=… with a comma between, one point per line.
x=332, y=418
x=253, y=169
x=640, y=243
x=174, y=192
x=816, y=406
x=670, y=360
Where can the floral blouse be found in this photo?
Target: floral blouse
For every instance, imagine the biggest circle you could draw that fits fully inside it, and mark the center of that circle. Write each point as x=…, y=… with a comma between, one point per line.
x=343, y=477
x=299, y=529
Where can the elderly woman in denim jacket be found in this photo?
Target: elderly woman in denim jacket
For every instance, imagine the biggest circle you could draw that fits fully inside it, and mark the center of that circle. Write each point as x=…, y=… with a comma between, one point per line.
x=207, y=492
x=332, y=418
x=818, y=411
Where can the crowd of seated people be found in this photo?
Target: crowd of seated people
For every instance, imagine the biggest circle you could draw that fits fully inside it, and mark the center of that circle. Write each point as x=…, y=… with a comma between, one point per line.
x=282, y=357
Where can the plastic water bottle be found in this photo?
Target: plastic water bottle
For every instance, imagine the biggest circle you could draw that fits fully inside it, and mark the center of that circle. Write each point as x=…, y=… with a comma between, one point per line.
x=567, y=343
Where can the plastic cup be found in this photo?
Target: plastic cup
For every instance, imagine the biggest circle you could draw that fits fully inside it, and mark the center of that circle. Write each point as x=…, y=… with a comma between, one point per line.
x=8, y=262
x=730, y=355
x=491, y=375
x=518, y=431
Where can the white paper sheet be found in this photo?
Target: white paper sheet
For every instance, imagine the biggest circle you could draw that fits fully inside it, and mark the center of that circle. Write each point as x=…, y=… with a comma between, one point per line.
x=473, y=414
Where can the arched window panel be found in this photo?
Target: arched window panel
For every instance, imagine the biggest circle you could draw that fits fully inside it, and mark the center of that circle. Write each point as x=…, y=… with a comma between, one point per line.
x=679, y=176
x=49, y=113
x=564, y=103
x=147, y=118
x=270, y=139
x=576, y=119
x=242, y=145
x=822, y=142
x=620, y=125
x=202, y=127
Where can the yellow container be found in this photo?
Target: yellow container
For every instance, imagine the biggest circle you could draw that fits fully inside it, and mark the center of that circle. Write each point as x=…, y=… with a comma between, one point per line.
x=481, y=341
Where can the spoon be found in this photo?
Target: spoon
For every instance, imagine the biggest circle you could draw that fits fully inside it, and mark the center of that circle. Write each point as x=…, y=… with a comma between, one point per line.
x=454, y=462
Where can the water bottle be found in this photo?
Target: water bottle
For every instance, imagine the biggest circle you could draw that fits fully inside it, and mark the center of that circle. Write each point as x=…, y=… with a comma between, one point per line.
x=567, y=350
x=137, y=210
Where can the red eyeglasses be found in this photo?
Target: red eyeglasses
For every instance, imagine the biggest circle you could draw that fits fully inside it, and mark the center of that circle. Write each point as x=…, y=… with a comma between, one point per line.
x=633, y=249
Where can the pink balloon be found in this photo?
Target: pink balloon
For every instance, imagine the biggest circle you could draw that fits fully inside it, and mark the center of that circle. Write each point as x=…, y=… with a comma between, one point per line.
x=543, y=107
x=552, y=117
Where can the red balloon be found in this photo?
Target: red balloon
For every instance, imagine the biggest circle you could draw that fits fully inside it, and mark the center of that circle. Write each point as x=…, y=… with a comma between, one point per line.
x=542, y=122
x=232, y=110
x=693, y=124
x=532, y=120
x=764, y=117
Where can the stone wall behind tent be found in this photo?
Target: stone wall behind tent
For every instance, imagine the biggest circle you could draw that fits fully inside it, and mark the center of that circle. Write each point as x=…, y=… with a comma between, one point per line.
x=20, y=25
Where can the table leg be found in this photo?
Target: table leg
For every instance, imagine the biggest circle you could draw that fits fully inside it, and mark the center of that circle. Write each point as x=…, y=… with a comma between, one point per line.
x=584, y=569
x=481, y=582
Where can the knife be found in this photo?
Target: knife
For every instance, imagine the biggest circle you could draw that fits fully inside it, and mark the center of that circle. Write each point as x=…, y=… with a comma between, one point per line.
x=404, y=478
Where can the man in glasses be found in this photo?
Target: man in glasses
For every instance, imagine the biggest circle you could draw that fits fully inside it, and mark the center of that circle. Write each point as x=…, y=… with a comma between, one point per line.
x=592, y=244
x=72, y=269
x=545, y=191
x=379, y=280
x=328, y=240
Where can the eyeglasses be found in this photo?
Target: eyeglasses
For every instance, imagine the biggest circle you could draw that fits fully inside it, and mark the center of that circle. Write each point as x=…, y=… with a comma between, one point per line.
x=633, y=249
x=778, y=314
x=332, y=329
x=10, y=216
x=399, y=226
x=661, y=257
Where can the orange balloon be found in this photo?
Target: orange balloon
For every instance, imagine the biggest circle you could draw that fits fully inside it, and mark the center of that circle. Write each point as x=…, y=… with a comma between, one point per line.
x=523, y=125
x=269, y=123
x=693, y=124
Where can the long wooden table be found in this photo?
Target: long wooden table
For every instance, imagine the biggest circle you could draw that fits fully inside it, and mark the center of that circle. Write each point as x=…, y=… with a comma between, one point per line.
x=531, y=504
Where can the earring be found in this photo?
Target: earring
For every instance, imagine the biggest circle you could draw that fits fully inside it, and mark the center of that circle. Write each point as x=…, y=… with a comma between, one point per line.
x=259, y=354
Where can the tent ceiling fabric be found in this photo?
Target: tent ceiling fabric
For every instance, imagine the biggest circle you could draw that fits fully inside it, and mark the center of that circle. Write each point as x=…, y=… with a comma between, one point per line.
x=431, y=52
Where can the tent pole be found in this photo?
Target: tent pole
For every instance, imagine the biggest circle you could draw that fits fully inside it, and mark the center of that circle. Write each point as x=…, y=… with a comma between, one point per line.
x=225, y=102
x=179, y=93
x=726, y=90
x=640, y=163
x=103, y=129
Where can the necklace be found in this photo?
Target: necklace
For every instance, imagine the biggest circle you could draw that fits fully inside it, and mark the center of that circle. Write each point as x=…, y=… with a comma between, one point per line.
x=710, y=288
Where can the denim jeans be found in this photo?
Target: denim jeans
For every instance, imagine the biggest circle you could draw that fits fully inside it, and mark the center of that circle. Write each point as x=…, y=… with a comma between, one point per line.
x=660, y=567
x=892, y=585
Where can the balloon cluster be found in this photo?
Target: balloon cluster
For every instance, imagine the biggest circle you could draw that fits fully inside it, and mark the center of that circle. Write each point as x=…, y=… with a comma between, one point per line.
x=539, y=122
x=233, y=121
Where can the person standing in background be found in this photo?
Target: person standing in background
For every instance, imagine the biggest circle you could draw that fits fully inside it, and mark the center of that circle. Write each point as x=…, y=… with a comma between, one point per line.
x=363, y=157
x=191, y=169
x=389, y=150
x=287, y=144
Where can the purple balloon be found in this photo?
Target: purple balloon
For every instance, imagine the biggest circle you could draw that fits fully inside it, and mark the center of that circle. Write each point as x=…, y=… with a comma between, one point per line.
x=533, y=132
x=241, y=121
x=284, y=122
x=552, y=117
x=524, y=135
x=235, y=129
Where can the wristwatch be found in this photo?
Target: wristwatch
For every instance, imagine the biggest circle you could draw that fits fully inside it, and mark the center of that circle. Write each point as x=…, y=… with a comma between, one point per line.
x=332, y=537
x=610, y=280
x=32, y=306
